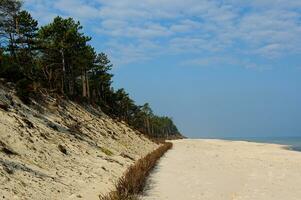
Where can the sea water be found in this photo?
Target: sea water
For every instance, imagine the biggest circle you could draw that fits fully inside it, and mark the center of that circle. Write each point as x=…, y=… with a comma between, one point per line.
x=294, y=143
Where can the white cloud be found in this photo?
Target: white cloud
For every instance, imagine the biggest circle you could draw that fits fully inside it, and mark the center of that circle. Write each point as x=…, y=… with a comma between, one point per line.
x=40, y=9
x=271, y=32
x=225, y=60
x=124, y=53
x=117, y=28
x=264, y=28
x=185, y=26
x=79, y=9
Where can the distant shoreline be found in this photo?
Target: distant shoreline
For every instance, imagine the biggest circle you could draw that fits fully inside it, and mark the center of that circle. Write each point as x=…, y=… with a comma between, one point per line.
x=292, y=143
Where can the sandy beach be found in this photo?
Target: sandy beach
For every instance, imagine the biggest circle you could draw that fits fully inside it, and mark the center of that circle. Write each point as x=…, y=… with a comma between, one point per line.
x=226, y=170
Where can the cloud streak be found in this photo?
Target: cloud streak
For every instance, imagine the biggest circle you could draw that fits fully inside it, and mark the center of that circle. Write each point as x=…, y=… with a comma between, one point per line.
x=261, y=28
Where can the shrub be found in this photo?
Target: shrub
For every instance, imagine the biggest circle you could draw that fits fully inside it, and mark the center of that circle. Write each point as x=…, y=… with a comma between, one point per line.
x=133, y=181
x=25, y=90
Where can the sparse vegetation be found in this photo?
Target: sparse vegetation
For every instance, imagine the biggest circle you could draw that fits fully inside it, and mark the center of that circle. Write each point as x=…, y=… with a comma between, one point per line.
x=106, y=151
x=132, y=183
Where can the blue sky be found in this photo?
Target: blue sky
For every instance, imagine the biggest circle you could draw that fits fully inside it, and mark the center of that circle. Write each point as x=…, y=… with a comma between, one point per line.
x=219, y=68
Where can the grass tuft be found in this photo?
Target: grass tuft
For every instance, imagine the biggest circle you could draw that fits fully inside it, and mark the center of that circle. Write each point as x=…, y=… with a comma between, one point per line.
x=106, y=151
x=131, y=184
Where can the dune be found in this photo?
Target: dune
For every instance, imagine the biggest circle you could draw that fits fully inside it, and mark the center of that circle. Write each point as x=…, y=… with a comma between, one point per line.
x=226, y=170
x=62, y=150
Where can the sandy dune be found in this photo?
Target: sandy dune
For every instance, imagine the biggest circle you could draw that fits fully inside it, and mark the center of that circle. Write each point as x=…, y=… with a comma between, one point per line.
x=62, y=150
x=226, y=170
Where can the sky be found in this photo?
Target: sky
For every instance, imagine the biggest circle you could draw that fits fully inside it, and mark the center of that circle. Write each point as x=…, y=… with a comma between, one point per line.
x=219, y=68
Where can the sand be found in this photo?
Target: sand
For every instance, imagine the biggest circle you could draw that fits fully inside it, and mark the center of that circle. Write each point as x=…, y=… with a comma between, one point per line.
x=33, y=165
x=226, y=170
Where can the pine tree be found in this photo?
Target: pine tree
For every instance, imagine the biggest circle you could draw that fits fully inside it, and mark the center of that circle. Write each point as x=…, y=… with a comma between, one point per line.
x=57, y=57
x=9, y=10
x=26, y=43
x=62, y=43
x=101, y=79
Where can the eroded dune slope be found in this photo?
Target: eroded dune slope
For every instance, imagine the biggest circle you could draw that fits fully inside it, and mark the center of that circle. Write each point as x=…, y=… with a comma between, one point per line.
x=61, y=150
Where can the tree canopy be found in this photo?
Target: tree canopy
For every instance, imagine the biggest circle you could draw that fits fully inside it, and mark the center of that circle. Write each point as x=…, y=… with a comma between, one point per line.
x=57, y=57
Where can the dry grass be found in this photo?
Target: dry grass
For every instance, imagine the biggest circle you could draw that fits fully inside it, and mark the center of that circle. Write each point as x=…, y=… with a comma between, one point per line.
x=133, y=181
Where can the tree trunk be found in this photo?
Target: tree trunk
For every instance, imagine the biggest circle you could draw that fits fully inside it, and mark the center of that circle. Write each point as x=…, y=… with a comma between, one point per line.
x=87, y=85
x=84, y=85
x=12, y=46
x=148, y=125
x=64, y=71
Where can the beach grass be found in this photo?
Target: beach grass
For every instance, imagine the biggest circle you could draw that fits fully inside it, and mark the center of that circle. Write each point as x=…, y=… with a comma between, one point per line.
x=132, y=183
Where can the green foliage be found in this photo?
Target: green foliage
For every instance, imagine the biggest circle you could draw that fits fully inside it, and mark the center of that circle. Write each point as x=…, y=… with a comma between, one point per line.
x=9, y=69
x=100, y=79
x=8, y=22
x=24, y=90
x=18, y=35
x=65, y=54
x=57, y=56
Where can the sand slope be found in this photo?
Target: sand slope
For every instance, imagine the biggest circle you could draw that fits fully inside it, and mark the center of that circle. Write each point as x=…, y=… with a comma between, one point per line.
x=59, y=150
x=225, y=170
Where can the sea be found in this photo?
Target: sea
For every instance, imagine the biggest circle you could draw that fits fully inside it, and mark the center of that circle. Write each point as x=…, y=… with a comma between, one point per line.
x=293, y=143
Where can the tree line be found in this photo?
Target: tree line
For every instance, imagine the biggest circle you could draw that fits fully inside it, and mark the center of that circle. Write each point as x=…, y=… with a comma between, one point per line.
x=58, y=57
